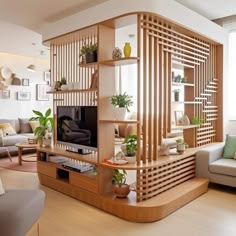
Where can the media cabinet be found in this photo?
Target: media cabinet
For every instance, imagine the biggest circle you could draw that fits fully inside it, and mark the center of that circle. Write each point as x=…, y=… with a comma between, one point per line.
x=163, y=183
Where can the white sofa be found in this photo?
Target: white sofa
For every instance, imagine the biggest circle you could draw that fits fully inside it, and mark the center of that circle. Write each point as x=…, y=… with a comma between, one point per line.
x=23, y=132
x=211, y=165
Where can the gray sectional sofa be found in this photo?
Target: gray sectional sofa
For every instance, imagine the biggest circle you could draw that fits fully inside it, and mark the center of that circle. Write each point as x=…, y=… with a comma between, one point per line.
x=23, y=131
x=211, y=165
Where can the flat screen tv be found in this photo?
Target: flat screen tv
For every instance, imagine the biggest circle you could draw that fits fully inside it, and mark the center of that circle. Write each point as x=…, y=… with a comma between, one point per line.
x=77, y=127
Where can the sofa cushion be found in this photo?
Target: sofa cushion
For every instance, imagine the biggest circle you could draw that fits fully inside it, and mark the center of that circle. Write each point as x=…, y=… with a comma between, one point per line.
x=25, y=125
x=7, y=129
x=230, y=146
x=223, y=166
x=14, y=123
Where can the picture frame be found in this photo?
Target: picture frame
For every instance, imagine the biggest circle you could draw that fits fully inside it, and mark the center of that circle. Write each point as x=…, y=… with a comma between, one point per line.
x=179, y=117
x=94, y=80
x=25, y=82
x=5, y=94
x=23, y=95
x=41, y=92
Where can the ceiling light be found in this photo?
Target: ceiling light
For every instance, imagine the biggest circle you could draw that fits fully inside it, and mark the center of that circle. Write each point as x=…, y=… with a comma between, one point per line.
x=31, y=68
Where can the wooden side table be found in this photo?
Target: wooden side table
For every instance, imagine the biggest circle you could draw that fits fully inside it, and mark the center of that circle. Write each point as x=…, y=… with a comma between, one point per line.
x=22, y=146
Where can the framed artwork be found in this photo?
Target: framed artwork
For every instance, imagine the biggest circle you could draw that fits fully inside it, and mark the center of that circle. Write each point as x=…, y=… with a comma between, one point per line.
x=47, y=76
x=179, y=117
x=94, y=80
x=23, y=96
x=41, y=92
x=5, y=94
x=25, y=82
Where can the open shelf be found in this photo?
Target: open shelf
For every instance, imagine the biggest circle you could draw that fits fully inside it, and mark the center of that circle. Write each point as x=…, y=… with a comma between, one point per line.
x=181, y=127
x=121, y=62
x=87, y=65
x=73, y=91
x=182, y=84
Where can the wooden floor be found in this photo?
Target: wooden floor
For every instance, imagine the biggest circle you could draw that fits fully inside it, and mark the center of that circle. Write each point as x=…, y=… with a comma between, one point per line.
x=212, y=214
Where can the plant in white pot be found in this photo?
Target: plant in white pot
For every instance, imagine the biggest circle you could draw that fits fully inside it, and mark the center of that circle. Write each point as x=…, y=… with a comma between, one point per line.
x=181, y=146
x=120, y=188
x=122, y=102
x=129, y=147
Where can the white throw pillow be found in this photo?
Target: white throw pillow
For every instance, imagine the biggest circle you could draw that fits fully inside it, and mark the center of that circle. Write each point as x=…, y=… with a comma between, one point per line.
x=2, y=190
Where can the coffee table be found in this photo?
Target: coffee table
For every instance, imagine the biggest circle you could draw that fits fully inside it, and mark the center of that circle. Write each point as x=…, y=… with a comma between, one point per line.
x=22, y=146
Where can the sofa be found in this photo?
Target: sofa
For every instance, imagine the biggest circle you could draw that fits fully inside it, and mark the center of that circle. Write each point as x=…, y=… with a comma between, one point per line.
x=211, y=164
x=14, y=131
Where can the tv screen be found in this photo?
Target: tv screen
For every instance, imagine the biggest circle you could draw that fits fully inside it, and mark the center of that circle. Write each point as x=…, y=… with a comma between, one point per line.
x=77, y=127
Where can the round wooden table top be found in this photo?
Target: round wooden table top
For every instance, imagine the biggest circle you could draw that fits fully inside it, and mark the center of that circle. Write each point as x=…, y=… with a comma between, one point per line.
x=26, y=145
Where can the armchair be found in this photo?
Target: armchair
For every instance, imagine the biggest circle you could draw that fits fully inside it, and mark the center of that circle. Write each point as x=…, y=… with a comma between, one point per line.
x=211, y=165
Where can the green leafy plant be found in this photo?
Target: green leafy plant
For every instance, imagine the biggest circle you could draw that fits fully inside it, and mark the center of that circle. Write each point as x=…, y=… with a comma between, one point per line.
x=63, y=80
x=131, y=145
x=197, y=121
x=45, y=123
x=119, y=177
x=180, y=141
x=88, y=48
x=122, y=100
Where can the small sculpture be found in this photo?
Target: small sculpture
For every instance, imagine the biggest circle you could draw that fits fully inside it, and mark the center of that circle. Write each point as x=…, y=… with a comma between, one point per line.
x=117, y=53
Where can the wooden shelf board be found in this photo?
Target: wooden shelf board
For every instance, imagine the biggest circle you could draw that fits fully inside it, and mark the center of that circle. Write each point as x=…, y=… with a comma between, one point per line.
x=120, y=121
x=181, y=127
x=187, y=102
x=120, y=62
x=73, y=91
x=182, y=84
x=87, y=65
x=90, y=158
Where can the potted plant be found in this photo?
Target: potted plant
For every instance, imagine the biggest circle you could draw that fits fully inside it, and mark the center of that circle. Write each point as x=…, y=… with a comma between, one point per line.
x=89, y=53
x=130, y=148
x=45, y=125
x=122, y=102
x=120, y=188
x=181, y=146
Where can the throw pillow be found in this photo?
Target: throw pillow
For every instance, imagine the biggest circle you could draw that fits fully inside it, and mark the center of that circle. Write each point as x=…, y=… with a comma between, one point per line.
x=1, y=133
x=25, y=126
x=34, y=124
x=230, y=146
x=7, y=129
x=2, y=190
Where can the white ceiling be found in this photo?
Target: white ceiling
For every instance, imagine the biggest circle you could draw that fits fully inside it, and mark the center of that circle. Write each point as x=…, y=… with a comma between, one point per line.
x=33, y=14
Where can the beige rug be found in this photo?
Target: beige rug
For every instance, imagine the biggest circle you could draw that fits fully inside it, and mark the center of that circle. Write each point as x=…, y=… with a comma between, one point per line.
x=27, y=166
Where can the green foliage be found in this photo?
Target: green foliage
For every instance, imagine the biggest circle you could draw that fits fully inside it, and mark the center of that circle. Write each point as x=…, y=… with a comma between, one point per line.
x=45, y=122
x=88, y=48
x=131, y=144
x=119, y=177
x=122, y=100
x=63, y=80
x=197, y=121
x=180, y=141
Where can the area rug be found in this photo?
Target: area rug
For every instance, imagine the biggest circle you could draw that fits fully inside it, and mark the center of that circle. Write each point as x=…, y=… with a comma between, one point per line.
x=25, y=167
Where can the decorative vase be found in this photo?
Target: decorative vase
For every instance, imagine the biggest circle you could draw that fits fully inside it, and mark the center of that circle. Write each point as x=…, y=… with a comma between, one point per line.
x=176, y=95
x=181, y=148
x=117, y=53
x=186, y=120
x=127, y=49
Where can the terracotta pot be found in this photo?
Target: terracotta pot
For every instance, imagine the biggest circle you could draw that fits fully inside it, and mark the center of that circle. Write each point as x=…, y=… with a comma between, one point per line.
x=122, y=191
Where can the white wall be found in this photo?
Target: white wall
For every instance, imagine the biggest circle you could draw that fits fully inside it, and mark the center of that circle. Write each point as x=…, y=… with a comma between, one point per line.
x=13, y=108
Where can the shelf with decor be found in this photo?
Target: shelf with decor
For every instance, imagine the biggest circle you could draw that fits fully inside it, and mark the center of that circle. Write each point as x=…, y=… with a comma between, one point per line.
x=120, y=62
x=182, y=84
x=181, y=127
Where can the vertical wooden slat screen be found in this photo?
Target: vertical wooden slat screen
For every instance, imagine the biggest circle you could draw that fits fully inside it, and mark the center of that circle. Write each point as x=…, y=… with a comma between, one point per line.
x=66, y=62
x=163, y=47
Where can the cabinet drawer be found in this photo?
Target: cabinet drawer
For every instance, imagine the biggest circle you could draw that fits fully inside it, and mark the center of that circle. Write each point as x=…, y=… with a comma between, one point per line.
x=83, y=182
x=46, y=169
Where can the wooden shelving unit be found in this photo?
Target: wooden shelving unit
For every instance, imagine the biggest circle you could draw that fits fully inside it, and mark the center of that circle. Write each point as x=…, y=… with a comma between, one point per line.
x=163, y=184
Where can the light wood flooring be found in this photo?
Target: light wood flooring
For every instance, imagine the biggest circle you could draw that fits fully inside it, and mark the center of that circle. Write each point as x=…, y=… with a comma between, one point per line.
x=212, y=214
